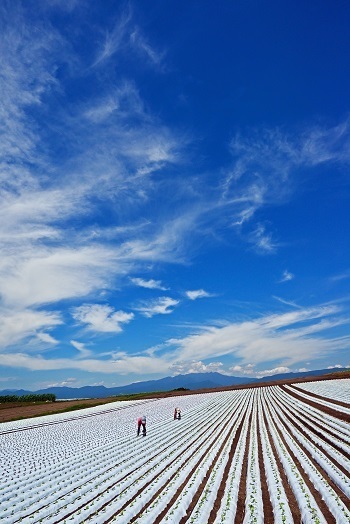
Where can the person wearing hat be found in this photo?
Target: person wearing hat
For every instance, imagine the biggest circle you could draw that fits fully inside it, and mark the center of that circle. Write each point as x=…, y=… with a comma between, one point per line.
x=141, y=421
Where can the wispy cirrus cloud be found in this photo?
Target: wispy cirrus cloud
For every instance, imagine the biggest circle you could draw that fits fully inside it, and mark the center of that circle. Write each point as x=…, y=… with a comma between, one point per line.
x=287, y=302
x=124, y=366
x=123, y=102
x=197, y=293
x=158, y=306
x=51, y=275
x=148, y=284
x=341, y=276
x=112, y=147
x=101, y=318
x=117, y=38
x=266, y=171
x=126, y=36
x=17, y=325
x=140, y=43
x=281, y=152
x=285, y=337
x=47, y=338
x=282, y=339
x=77, y=173
x=262, y=241
x=27, y=76
x=83, y=351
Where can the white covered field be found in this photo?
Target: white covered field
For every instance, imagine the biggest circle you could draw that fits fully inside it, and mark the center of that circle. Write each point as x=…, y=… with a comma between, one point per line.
x=271, y=454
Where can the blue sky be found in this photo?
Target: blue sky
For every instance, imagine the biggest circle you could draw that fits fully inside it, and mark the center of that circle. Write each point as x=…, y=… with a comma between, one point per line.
x=175, y=190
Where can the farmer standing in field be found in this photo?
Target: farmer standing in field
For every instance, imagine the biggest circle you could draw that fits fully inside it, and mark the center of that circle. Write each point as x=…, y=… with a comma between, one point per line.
x=141, y=421
x=177, y=414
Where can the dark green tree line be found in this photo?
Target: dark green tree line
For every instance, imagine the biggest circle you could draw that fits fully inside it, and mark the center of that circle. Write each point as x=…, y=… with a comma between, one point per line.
x=29, y=398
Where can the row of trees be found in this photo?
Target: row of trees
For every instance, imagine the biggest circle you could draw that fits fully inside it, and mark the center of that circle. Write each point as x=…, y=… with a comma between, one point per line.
x=29, y=398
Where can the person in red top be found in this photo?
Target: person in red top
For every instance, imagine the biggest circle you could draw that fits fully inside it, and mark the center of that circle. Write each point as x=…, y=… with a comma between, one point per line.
x=141, y=421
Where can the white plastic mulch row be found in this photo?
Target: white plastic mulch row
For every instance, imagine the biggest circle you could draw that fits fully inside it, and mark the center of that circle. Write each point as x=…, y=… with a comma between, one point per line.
x=310, y=512
x=227, y=510
x=57, y=457
x=278, y=497
x=324, y=402
x=329, y=442
x=336, y=389
x=201, y=438
x=90, y=467
x=332, y=427
x=205, y=502
x=254, y=507
x=58, y=418
x=294, y=438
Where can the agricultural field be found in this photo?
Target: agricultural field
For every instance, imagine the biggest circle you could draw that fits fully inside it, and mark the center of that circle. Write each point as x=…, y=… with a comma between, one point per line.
x=275, y=454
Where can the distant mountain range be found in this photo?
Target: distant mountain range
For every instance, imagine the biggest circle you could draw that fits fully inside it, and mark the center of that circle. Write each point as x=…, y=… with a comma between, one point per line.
x=191, y=381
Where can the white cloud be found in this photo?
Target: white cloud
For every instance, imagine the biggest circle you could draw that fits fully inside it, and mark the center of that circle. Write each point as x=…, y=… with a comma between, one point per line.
x=281, y=152
x=148, y=284
x=158, y=306
x=126, y=365
x=266, y=169
x=287, y=302
x=70, y=382
x=247, y=369
x=140, y=43
x=340, y=277
x=116, y=39
x=274, y=371
x=47, y=338
x=262, y=240
x=16, y=325
x=101, y=318
x=110, y=146
x=250, y=371
x=48, y=275
x=198, y=293
x=286, y=276
x=127, y=38
x=122, y=102
x=339, y=366
x=194, y=366
x=32, y=275
x=168, y=244
x=284, y=320
x=284, y=337
x=83, y=352
x=28, y=57
x=149, y=147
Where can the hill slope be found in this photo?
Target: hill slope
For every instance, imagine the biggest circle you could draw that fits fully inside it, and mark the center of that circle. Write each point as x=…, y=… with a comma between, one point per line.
x=191, y=381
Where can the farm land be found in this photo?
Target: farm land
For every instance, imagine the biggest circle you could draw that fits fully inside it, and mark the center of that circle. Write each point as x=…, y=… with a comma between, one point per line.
x=276, y=453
